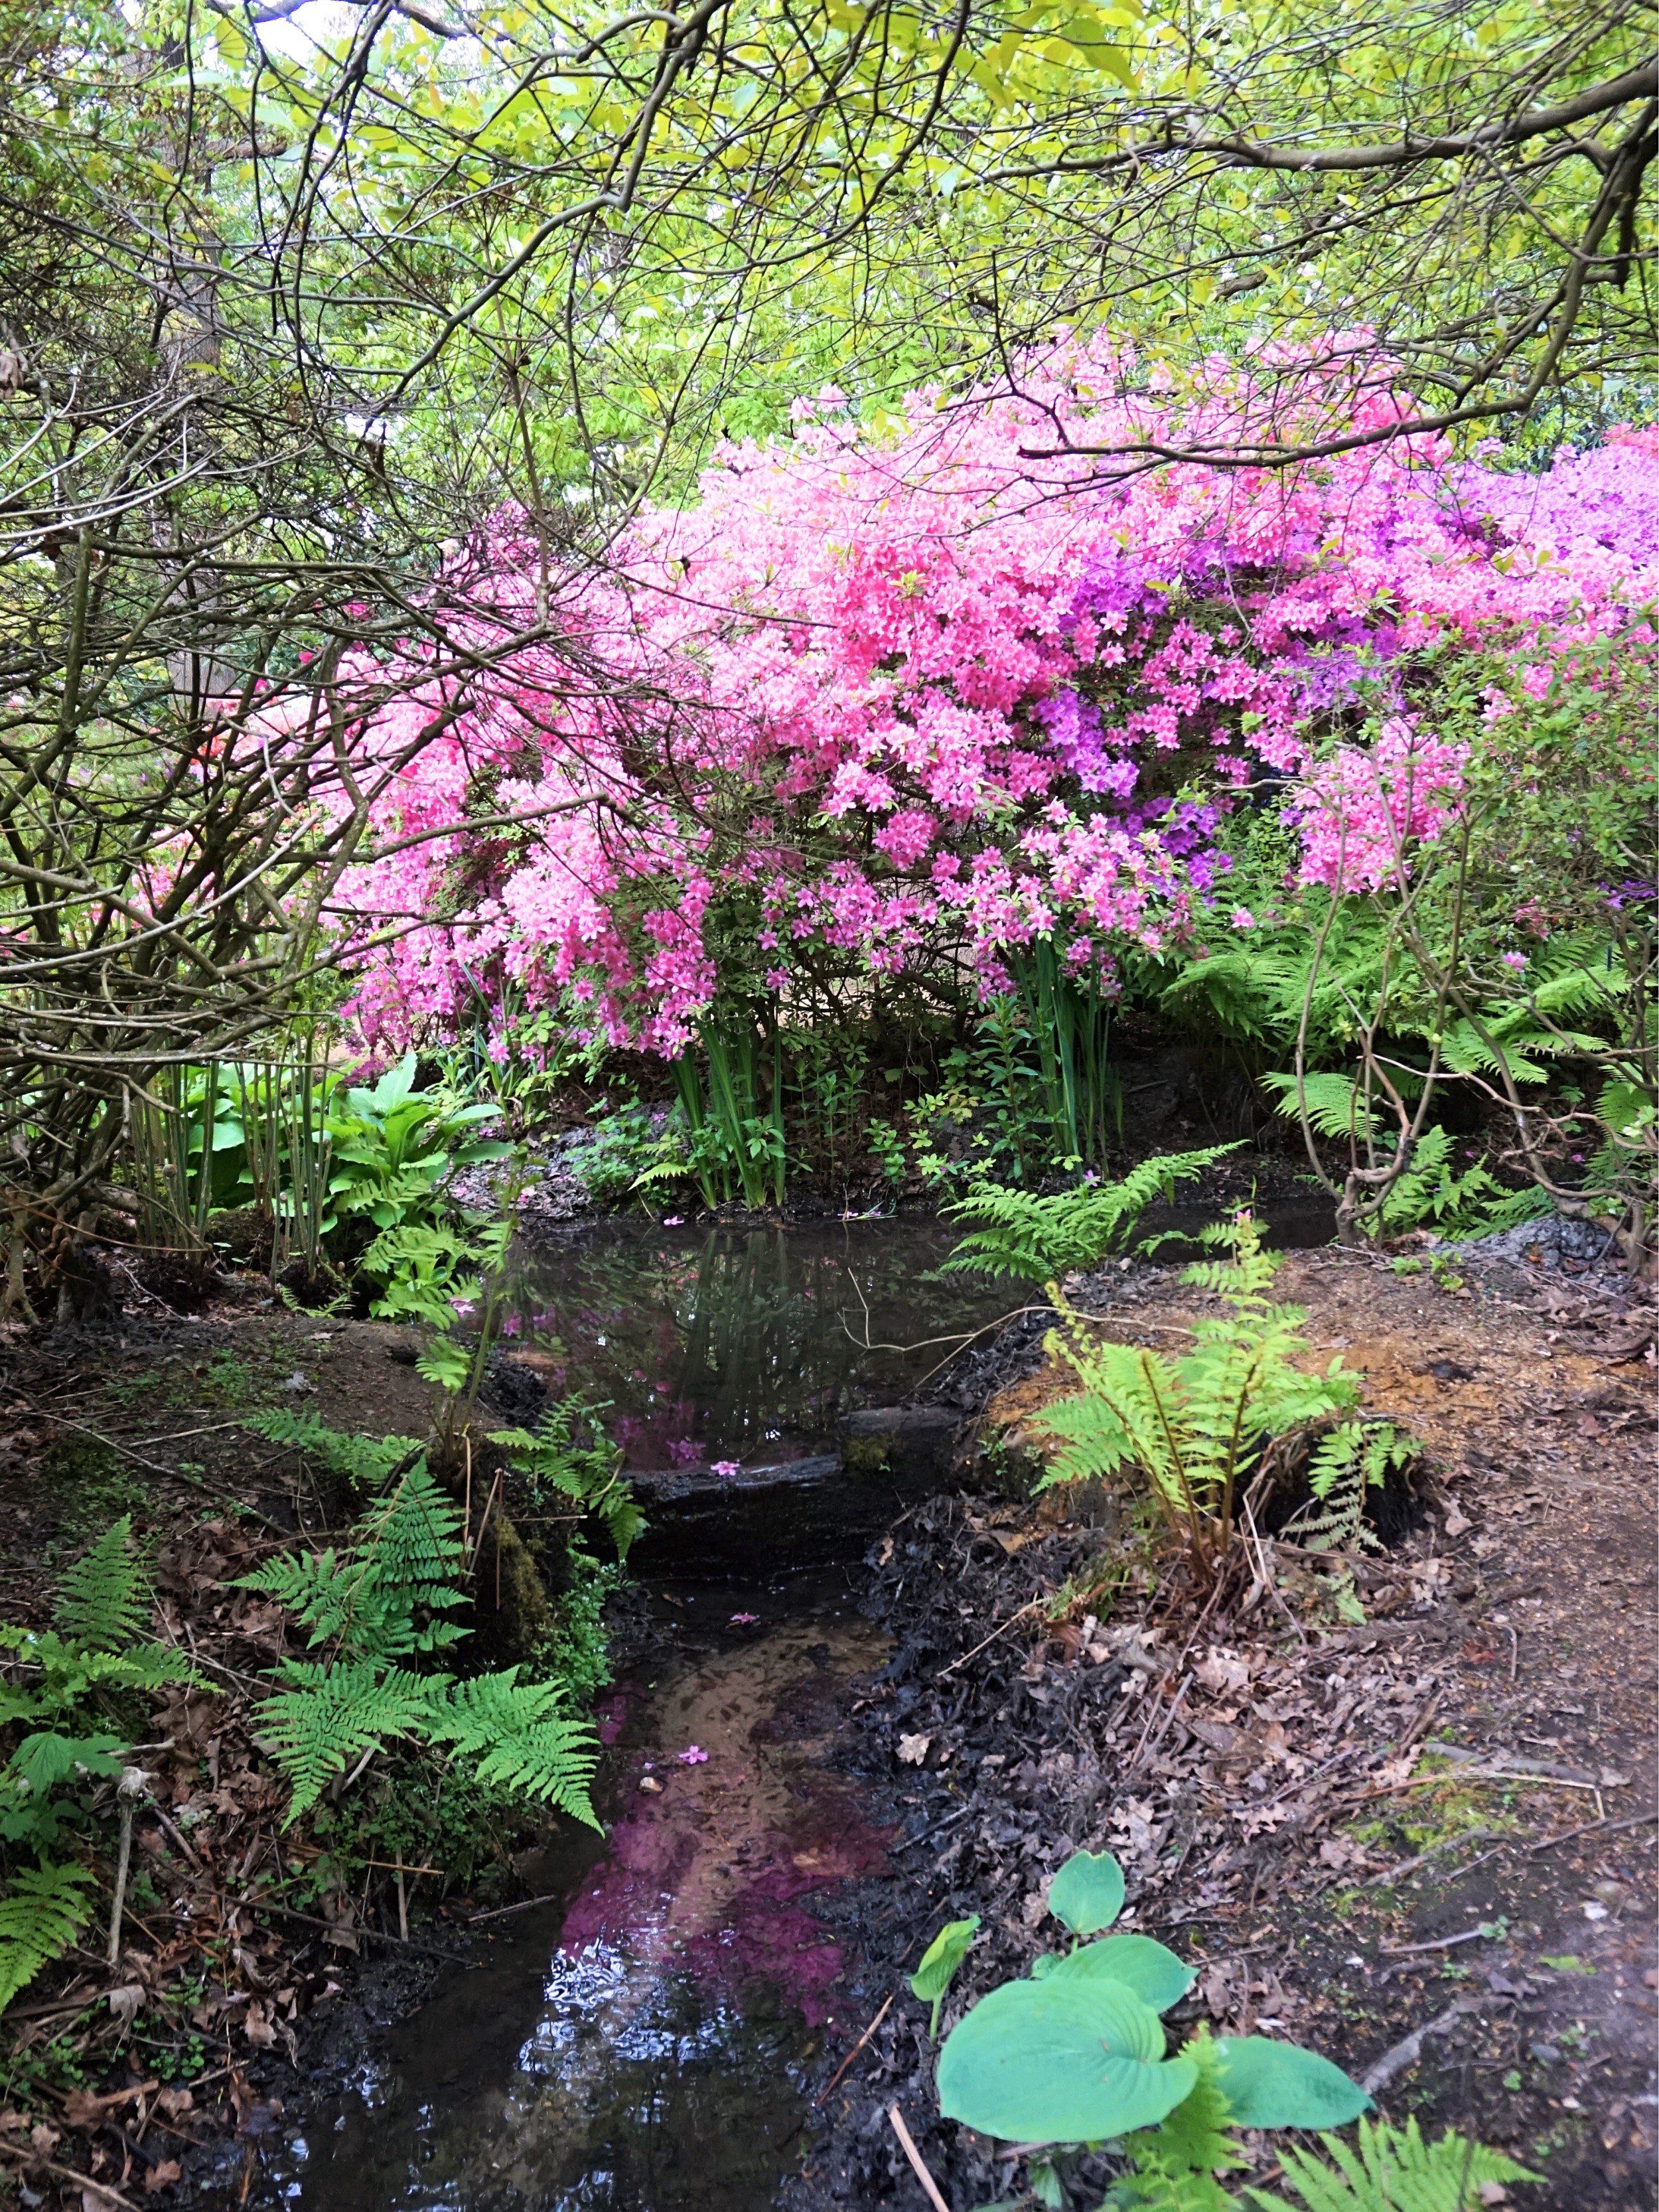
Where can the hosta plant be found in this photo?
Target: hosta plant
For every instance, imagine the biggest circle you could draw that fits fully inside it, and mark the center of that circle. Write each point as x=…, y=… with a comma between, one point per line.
x=1076, y=2054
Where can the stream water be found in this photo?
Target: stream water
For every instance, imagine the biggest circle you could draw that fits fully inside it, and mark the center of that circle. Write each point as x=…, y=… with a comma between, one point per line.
x=637, y=2042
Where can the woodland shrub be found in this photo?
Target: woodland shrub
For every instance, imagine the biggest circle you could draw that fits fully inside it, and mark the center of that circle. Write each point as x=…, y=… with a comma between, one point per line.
x=903, y=703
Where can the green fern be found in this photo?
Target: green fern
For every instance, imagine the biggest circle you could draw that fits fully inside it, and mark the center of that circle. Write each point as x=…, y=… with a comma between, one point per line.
x=1354, y=1459
x=383, y=1598
x=1194, y=1425
x=42, y=1911
x=103, y=1603
x=1176, y=2162
x=1018, y=1233
x=324, y=1718
x=1391, y=2169
x=368, y=1462
x=520, y=1739
x=570, y=1453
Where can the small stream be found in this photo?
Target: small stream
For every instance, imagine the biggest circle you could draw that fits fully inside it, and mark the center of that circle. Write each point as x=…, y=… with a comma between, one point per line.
x=639, y=2041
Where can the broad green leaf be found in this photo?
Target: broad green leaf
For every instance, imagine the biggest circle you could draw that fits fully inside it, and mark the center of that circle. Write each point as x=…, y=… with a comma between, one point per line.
x=1279, y=2085
x=939, y=1961
x=1087, y=1893
x=1074, y=2061
x=1154, y=1974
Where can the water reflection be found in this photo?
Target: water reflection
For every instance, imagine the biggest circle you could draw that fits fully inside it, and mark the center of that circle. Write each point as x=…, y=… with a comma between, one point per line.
x=742, y=1342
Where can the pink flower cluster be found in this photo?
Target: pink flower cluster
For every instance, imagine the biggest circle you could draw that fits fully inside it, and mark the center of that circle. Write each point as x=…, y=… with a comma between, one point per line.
x=878, y=697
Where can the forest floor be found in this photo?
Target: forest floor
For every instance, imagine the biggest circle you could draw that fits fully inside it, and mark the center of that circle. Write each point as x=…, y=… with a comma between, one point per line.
x=1422, y=1844
x=1434, y=1824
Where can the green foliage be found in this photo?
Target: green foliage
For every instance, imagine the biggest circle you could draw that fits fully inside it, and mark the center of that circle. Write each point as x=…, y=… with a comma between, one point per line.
x=1174, y=2165
x=62, y=1689
x=569, y=1454
x=1059, y=2062
x=1075, y=2054
x=1140, y=1963
x=1278, y=2085
x=42, y=1912
x=1195, y=1425
x=368, y=1464
x=937, y=1967
x=1087, y=1893
x=102, y=1602
x=1349, y=1462
x=380, y=1601
x=1016, y=1233
x=383, y=1597
x=1390, y=2170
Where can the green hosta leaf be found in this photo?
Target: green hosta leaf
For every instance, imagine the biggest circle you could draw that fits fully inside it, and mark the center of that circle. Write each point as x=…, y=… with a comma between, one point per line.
x=1156, y=1976
x=1059, y=2062
x=1087, y=1893
x=939, y=1961
x=1279, y=2085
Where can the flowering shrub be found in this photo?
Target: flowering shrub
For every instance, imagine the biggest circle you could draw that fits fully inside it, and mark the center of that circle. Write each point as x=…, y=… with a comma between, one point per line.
x=903, y=703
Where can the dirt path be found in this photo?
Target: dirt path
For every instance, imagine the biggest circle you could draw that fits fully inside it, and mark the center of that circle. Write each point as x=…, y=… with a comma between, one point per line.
x=1418, y=1843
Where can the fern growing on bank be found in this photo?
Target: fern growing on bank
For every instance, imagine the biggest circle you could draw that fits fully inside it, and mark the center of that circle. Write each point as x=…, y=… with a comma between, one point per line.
x=379, y=1603
x=1356, y=1458
x=66, y=1689
x=1016, y=1233
x=1390, y=2170
x=1196, y=1425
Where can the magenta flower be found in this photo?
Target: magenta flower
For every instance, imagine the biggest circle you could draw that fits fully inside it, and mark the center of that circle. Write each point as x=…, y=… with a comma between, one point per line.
x=693, y=1756
x=726, y=1468
x=744, y=1620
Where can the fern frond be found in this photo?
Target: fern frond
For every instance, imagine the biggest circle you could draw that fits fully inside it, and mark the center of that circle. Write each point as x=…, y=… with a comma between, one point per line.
x=102, y=1601
x=366, y=1461
x=323, y=1718
x=520, y=1739
x=1016, y=1233
x=1333, y=1104
x=1394, y=2171
x=42, y=1912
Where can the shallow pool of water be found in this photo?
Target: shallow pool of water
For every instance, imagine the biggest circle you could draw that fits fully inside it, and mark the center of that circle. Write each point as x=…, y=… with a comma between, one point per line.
x=743, y=1343
x=638, y=2043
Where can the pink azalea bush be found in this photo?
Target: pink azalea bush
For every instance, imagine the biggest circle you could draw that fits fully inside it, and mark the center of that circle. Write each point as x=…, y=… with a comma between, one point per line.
x=885, y=702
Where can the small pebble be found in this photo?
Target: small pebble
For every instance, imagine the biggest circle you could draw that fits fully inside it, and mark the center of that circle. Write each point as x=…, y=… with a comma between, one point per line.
x=651, y=1786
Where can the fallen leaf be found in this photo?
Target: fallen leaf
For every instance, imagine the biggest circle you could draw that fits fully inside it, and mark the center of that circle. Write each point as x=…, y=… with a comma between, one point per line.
x=43, y=2139
x=127, y=2001
x=1221, y=1673
x=913, y=1749
x=162, y=2175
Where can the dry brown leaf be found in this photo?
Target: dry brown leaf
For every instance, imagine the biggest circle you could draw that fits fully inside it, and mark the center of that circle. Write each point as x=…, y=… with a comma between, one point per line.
x=162, y=2175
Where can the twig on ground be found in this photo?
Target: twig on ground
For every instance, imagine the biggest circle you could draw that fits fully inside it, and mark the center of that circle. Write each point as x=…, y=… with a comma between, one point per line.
x=938, y=1829
x=82, y=2181
x=918, y=2164
x=361, y=1928
x=1034, y=1605
x=1409, y=2049
x=1634, y=1821
x=834, y=2078
x=1410, y=1866
x=123, y=1863
x=1440, y=1944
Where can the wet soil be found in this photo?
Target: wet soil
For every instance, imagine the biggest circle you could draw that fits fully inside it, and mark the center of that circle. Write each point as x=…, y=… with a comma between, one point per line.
x=1421, y=1842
